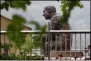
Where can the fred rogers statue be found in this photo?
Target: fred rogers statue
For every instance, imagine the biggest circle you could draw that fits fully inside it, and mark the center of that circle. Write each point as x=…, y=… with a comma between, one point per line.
x=60, y=41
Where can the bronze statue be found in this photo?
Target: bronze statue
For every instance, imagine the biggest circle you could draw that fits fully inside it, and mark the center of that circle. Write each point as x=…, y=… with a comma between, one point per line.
x=63, y=40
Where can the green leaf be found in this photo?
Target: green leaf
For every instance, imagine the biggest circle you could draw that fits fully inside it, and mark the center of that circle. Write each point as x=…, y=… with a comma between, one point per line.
x=17, y=19
x=79, y=5
x=6, y=6
x=13, y=30
x=28, y=45
x=28, y=2
x=66, y=7
x=15, y=4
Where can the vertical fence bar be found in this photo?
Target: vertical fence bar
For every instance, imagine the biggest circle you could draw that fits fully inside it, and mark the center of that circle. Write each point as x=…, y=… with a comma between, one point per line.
x=48, y=40
x=46, y=48
x=60, y=38
x=65, y=44
x=75, y=46
x=56, y=43
x=85, y=45
x=51, y=42
x=50, y=45
x=80, y=46
x=70, y=44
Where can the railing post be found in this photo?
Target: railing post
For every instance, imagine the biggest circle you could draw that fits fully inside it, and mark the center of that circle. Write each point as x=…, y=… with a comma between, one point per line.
x=90, y=47
x=48, y=40
x=49, y=47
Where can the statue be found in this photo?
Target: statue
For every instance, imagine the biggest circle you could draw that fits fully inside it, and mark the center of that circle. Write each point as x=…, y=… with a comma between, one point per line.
x=63, y=40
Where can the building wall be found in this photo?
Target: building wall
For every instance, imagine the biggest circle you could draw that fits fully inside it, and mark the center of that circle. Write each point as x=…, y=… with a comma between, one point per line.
x=5, y=22
x=4, y=39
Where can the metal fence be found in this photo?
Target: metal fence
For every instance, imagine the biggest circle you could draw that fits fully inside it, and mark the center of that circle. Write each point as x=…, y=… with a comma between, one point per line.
x=52, y=43
x=79, y=42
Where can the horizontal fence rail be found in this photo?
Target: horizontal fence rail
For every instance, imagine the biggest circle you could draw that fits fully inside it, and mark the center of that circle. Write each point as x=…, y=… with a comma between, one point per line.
x=61, y=31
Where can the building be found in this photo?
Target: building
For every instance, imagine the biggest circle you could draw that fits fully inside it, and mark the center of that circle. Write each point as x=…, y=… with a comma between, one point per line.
x=4, y=40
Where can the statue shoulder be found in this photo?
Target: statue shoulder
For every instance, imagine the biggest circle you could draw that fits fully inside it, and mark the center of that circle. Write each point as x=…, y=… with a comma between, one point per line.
x=55, y=18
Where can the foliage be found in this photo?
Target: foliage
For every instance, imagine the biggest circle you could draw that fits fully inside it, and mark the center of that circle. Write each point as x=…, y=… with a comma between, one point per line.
x=28, y=45
x=38, y=26
x=36, y=41
x=66, y=7
x=20, y=57
x=37, y=38
x=13, y=30
x=35, y=58
x=5, y=46
x=14, y=4
x=7, y=57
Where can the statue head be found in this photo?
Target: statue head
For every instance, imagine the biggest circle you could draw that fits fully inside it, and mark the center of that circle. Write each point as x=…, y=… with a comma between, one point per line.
x=48, y=12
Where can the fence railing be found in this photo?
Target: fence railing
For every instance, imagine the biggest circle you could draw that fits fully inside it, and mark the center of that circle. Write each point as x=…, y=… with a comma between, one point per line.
x=68, y=43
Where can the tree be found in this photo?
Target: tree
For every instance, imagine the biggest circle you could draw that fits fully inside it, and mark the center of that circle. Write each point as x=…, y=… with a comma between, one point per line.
x=14, y=4
x=66, y=7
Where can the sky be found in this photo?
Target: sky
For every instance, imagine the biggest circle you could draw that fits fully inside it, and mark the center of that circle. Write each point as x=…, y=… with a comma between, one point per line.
x=79, y=20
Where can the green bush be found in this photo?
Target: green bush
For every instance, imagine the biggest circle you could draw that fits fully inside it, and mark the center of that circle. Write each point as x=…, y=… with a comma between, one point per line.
x=34, y=58
x=7, y=57
x=20, y=57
